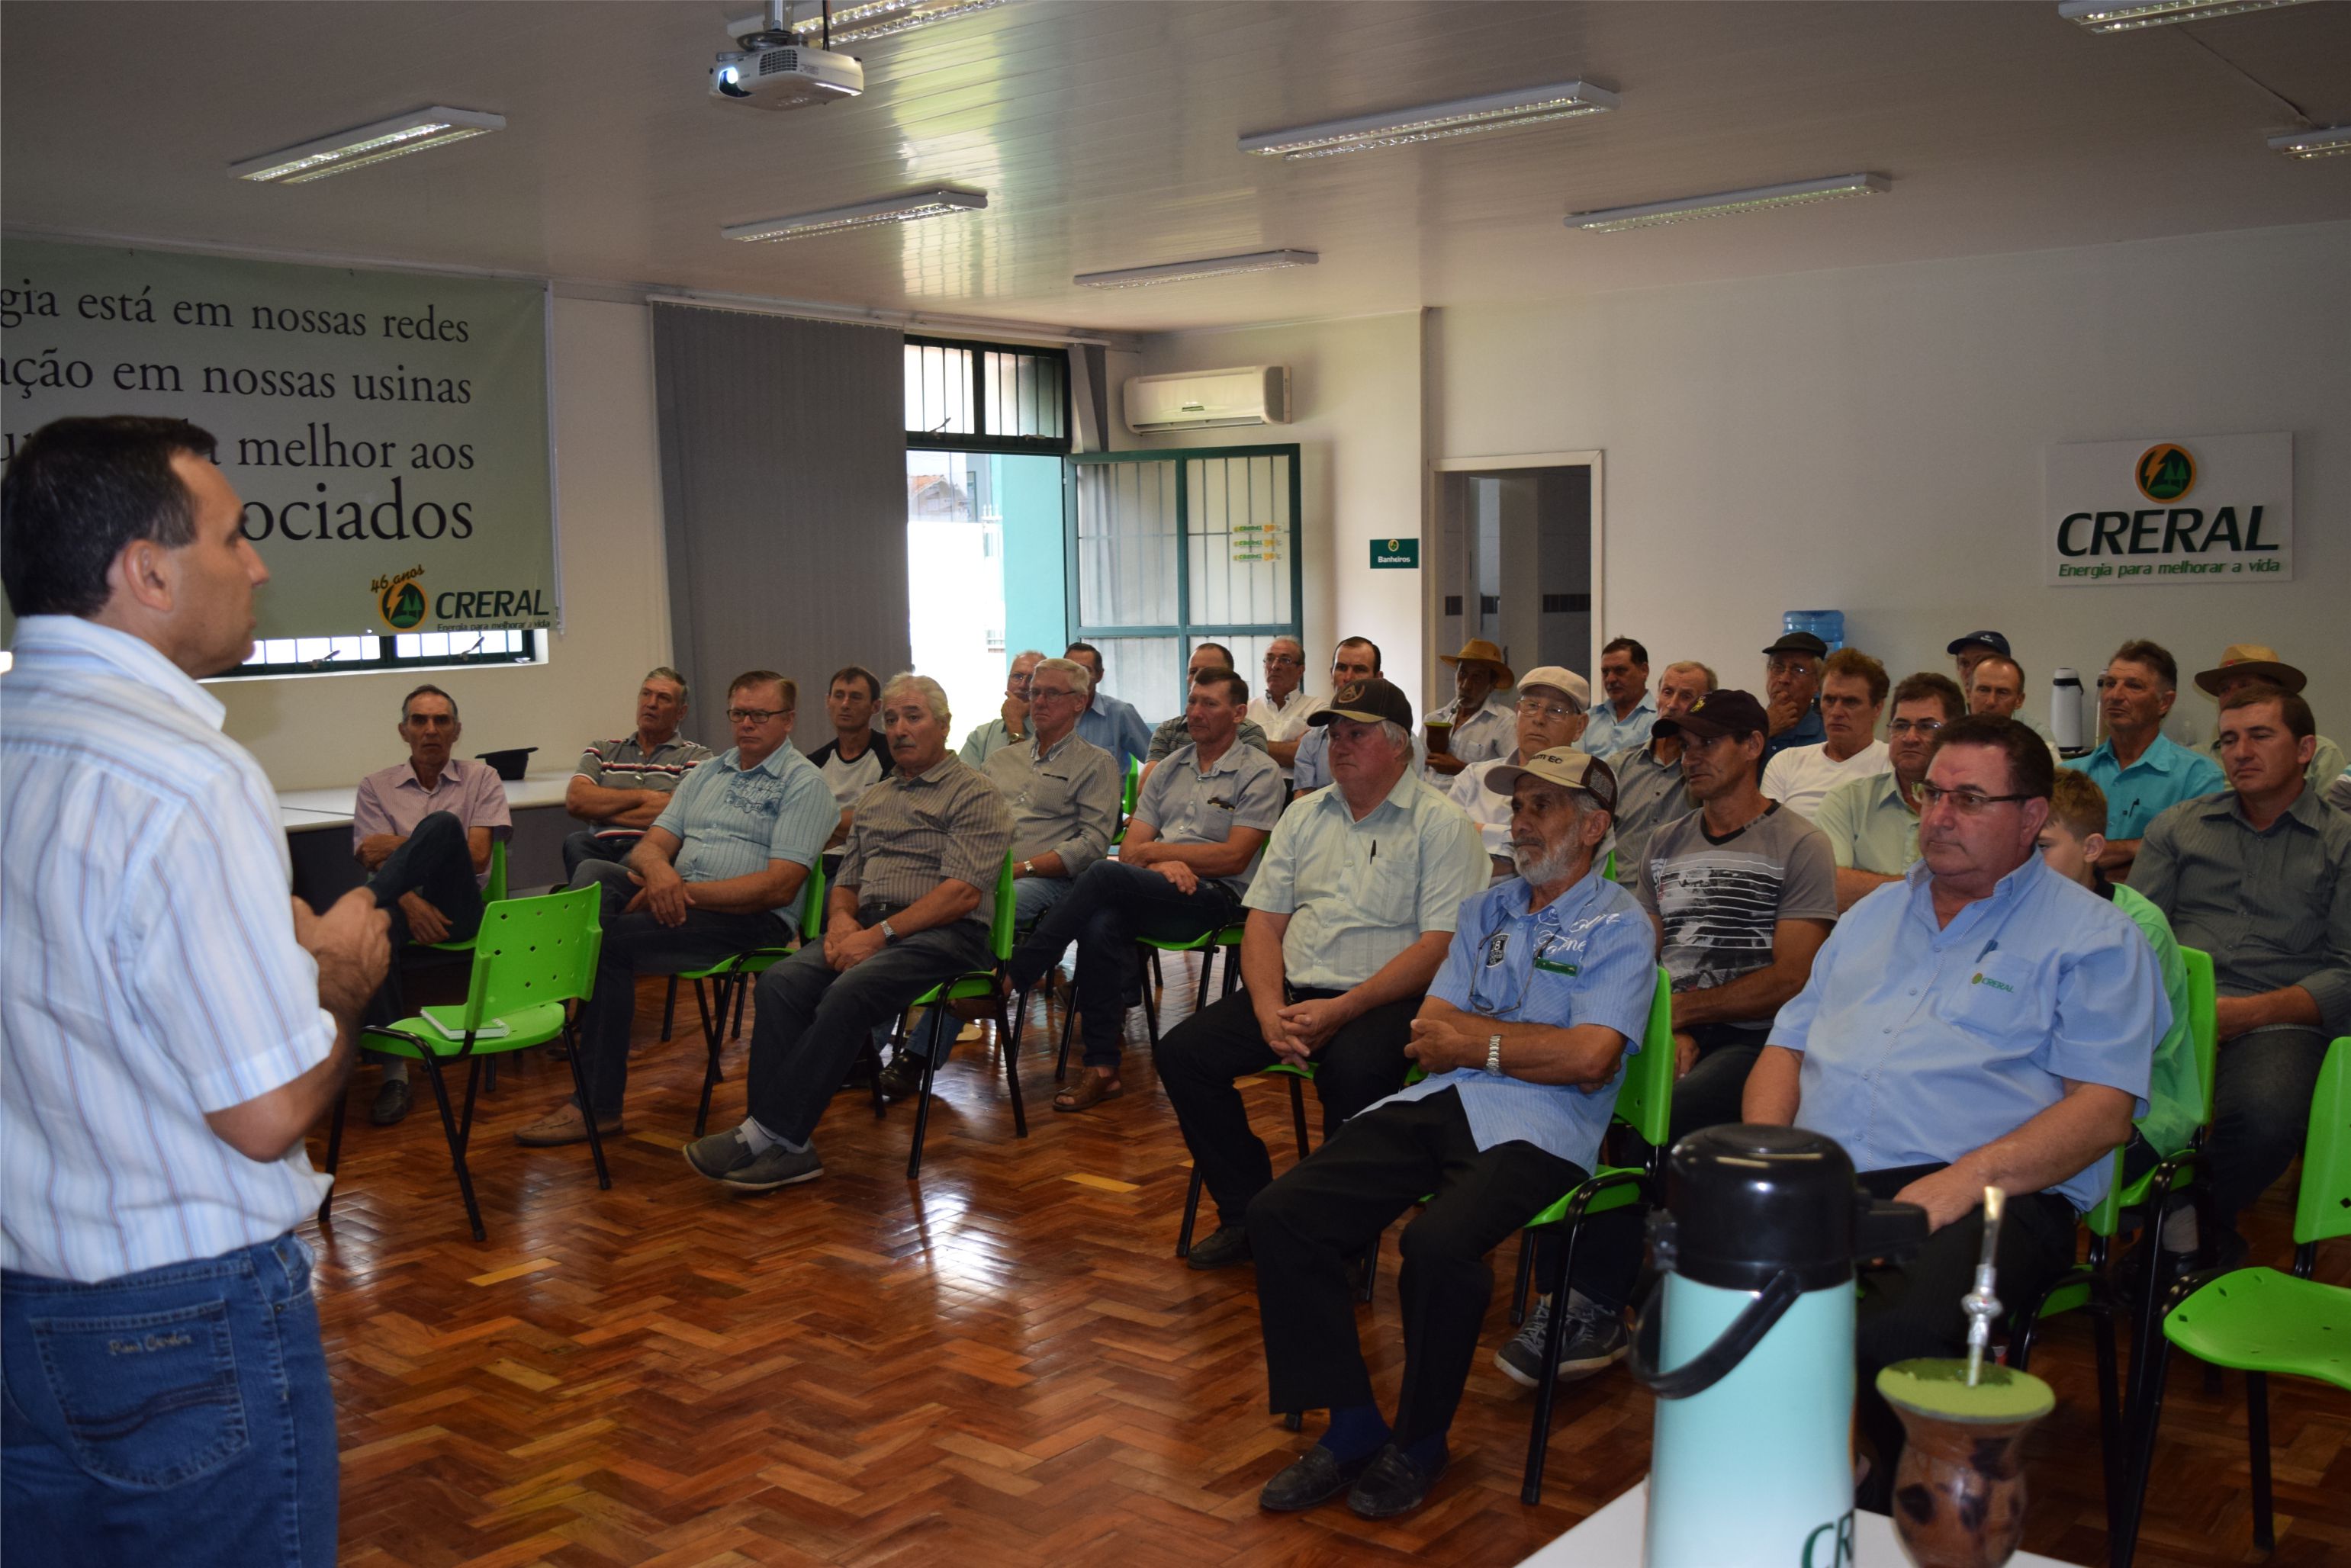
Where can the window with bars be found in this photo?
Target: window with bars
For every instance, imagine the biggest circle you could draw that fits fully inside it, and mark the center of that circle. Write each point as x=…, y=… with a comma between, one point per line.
x=970, y=396
x=401, y=651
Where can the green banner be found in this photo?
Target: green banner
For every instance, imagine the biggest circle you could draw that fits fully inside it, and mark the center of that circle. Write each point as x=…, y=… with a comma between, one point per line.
x=387, y=431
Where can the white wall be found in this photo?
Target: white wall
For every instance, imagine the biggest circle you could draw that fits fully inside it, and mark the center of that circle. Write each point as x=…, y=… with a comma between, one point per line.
x=314, y=731
x=1869, y=440
x=1355, y=400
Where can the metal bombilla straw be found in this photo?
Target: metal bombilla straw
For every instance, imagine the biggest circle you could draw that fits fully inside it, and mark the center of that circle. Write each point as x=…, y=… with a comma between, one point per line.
x=1981, y=1304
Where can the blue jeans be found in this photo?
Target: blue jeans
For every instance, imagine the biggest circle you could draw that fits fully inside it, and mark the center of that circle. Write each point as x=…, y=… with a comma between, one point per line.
x=2262, y=1087
x=179, y=1416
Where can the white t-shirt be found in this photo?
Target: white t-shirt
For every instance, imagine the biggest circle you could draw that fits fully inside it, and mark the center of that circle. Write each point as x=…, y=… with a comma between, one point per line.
x=1801, y=777
x=1285, y=723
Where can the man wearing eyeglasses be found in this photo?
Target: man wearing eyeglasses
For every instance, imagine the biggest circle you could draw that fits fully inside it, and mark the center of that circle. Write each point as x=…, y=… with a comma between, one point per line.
x=1872, y=824
x=1281, y=704
x=718, y=873
x=1011, y=722
x=1553, y=703
x=1791, y=690
x=1990, y=1023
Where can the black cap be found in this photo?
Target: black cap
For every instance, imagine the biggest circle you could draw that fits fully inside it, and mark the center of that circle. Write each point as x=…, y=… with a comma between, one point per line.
x=1993, y=640
x=1800, y=642
x=1365, y=702
x=1732, y=712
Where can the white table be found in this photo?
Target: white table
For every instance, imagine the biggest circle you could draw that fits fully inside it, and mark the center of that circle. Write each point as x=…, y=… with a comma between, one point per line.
x=307, y=811
x=1611, y=1539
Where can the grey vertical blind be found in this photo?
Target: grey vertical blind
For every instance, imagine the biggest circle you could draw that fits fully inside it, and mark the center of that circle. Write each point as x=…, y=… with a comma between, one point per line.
x=784, y=485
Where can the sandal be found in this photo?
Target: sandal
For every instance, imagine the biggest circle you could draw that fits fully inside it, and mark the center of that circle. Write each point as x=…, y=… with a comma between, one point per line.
x=1089, y=1090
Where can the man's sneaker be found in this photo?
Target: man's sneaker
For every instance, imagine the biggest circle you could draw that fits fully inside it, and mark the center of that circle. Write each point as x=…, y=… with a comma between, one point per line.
x=1594, y=1341
x=719, y=1152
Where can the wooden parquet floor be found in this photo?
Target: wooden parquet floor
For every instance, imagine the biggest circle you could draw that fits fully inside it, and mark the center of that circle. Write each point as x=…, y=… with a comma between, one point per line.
x=1005, y=1364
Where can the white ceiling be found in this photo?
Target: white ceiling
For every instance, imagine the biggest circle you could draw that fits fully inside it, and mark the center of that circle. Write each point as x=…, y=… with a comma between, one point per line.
x=1104, y=132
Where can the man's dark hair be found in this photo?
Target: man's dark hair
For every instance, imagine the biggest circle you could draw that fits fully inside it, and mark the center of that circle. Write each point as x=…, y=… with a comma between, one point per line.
x=1363, y=643
x=76, y=492
x=1082, y=648
x=427, y=691
x=1855, y=664
x=1219, y=647
x=2291, y=706
x=1625, y=645
x=1942, y=688
x=2031, y=772
x=749, y=678
x=1236, y=688
x=2021, y=685
x=2155, y=656
x=858, y=673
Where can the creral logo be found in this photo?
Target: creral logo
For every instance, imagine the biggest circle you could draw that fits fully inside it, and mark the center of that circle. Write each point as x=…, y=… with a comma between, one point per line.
x=398, y=600
x=2165, y=472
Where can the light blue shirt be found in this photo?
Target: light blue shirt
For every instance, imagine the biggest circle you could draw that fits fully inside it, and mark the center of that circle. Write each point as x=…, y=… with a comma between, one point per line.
x=1116, y=727
x=735, y=819
x=1589, y=957
x=1921, y=1044
x=2165, y=774
x=1605, y=735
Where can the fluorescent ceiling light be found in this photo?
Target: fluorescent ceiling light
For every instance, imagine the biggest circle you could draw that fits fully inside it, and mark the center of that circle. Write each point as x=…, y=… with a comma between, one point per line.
x=1215, y=265
x=2129, y=16
x=2328, y=142
x=858, y=23
x=864, y=214
x=1431, y=121
x=357, y=149
x=1611, y=220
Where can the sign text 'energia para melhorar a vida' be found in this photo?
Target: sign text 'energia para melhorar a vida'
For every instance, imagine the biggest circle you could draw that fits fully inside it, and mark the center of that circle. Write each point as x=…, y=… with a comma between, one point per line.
x=387, y=431
x=2168, y=509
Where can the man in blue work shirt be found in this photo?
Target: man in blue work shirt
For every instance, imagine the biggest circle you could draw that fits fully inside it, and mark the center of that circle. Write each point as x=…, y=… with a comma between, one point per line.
x=1984, y=1022
x=1544, y=993
x=2143, y=772
x=1107, y=722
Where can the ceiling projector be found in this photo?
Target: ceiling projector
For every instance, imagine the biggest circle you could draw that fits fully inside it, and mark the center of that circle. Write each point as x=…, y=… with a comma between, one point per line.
x=785, y=76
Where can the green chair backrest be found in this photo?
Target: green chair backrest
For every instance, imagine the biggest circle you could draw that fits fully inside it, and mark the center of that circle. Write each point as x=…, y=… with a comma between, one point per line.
x=2323, y=1212
x=1646, y=1101
x=999, y=922
x=532, y=951
x=812, y=902
x=2203, y=1021
x=1134, y=787
x=495, y=888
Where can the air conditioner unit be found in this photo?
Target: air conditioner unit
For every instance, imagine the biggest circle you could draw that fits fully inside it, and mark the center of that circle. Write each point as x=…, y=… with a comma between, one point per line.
x=1205, y=399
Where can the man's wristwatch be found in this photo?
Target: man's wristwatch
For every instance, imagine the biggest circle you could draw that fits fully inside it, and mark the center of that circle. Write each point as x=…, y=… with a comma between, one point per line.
x=1494, y=1054
x=890, y=934
x=1028, y=868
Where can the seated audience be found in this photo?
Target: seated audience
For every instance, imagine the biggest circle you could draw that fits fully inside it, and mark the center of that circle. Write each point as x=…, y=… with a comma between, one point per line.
x=1282, y=705
x=621, y=785
x=1650, y=790
x=1551, y=709
x=1108, y=723
x=1341, y=942
x=909, y=910
x=1853, y=694
x=1208, y=658
x=1356, y=659
x=1622, y=721
x=1791, y=690
x=1971, y=649
x=1011, y=722
x=2249, y=664
x=1872, y=824
x=2141, y=771
x=1474, y=726
x=858, y=755
x=1543, y=995
x=2021, y=1068
x=2259, y=875
x=423, y=830
x=719, y=874
x=1743, y=892
x=1997, y=690
x=1197, y=825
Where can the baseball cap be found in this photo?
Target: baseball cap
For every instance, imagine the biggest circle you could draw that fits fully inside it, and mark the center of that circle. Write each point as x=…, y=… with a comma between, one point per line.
x=1563, y=766
x=1732, y=712
x=1800, y=642
x=1365, y=702
x=1559, y=679
x=1993, y=640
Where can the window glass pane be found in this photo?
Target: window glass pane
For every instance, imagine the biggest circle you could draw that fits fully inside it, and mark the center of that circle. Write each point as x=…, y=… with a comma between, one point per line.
x=1239, y=540
x=1024, y=395
x=1126, y=545
x=1145, y=671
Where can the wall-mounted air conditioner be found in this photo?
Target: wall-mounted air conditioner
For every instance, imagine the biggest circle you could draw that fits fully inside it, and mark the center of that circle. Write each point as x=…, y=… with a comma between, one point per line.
x=1203, y=399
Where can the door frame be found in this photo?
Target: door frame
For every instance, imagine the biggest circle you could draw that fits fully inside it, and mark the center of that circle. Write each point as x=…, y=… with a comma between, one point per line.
x=1432, y=597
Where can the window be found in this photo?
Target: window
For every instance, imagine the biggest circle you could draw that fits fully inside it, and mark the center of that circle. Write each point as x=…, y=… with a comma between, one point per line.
x=402, y=651
x=985, y=397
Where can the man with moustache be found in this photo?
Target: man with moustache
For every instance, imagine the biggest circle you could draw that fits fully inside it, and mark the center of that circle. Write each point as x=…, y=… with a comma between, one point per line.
x=1551, y=709
x=1872, y=824
x=2142, y=771
x=1649, y=788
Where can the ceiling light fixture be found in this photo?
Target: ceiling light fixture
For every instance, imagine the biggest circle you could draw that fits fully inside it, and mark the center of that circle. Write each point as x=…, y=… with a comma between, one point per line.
x=1211, y=267
x=1432, y=121
x=864, y=214
x=2129, y=16
x=1614, y=220
x=2328, y=141
x=859, y=24
x=367, y=144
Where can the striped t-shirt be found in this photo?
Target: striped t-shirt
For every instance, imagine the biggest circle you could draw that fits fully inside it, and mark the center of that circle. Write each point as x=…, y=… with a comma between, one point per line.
x=1717, y=900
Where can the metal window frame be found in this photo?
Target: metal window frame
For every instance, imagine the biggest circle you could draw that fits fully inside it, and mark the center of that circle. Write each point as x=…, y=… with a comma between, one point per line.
x=1189, y=632
x=531, y=651
x=980, y=439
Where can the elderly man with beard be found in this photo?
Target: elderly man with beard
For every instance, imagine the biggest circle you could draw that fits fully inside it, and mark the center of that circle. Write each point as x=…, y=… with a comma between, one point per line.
x=1544, y=993
x=1553, y=704
x=1872, y=824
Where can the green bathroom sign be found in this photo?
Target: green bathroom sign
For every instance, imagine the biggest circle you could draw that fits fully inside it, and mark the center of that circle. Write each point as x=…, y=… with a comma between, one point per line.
x=1401, y=555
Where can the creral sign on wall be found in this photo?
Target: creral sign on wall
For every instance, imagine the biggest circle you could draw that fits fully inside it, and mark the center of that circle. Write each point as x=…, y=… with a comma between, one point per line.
x=2168, y=509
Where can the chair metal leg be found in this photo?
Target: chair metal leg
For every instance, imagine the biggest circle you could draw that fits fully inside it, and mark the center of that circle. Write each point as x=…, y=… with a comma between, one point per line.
x=2145, y=1416
x=1292, y=1420
x=1232, y=971
x=1526, y=1272
x=2111, y=1442
x=743, y=984
x=1009, y=1046
x=1298, y=1112
x=1069, y=1027
x=1191, y=1217
x=1151, y=997
x=2257, y=1433
x=1371, y=1269
x=1547, y=1381
x=669, y=1009
x=334, y=1152
x=1208, y=962
x=579, y=1087
x=713, y=1041
x=938, y=1023
x=456, y=1144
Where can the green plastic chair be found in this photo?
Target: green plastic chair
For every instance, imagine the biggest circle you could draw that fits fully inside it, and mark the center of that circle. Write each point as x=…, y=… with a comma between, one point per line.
x=1645, y=1104
x=731, y=979
x=1127, y=792
x=2259, y=1320
x=1224, y=939
x=988, y=983
x=532, y=958
x=1300, y=1077
x=493, y=891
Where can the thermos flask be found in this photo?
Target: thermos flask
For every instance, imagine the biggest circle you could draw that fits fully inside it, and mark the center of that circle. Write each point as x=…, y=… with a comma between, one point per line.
x=1752, y=1462
x=2065, y=725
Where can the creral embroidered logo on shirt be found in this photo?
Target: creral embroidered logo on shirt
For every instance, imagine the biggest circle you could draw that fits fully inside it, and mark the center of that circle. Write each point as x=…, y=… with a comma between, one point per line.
x=1981, y=979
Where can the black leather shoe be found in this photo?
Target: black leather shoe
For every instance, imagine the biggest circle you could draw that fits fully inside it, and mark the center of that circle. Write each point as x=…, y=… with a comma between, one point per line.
x=1229, y=1246
x=1393, y=1484
x=1315, y=1477
x=391, y=1103
x=904, y=1077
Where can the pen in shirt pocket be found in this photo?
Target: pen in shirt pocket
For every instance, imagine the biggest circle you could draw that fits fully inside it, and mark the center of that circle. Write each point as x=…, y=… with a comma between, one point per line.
x=1989, y=949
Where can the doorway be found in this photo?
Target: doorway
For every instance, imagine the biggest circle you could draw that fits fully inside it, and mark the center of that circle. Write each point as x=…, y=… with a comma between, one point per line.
x=1517, y=560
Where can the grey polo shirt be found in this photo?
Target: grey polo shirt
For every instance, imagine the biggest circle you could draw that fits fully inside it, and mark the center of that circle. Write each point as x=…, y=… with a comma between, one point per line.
x=914, y=831
x=2273, y=907
x=1867, y=826
x=1187, y=804
x=626, y=764
x=1649, y=795
x=1173, y=733
x=1064, y=801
